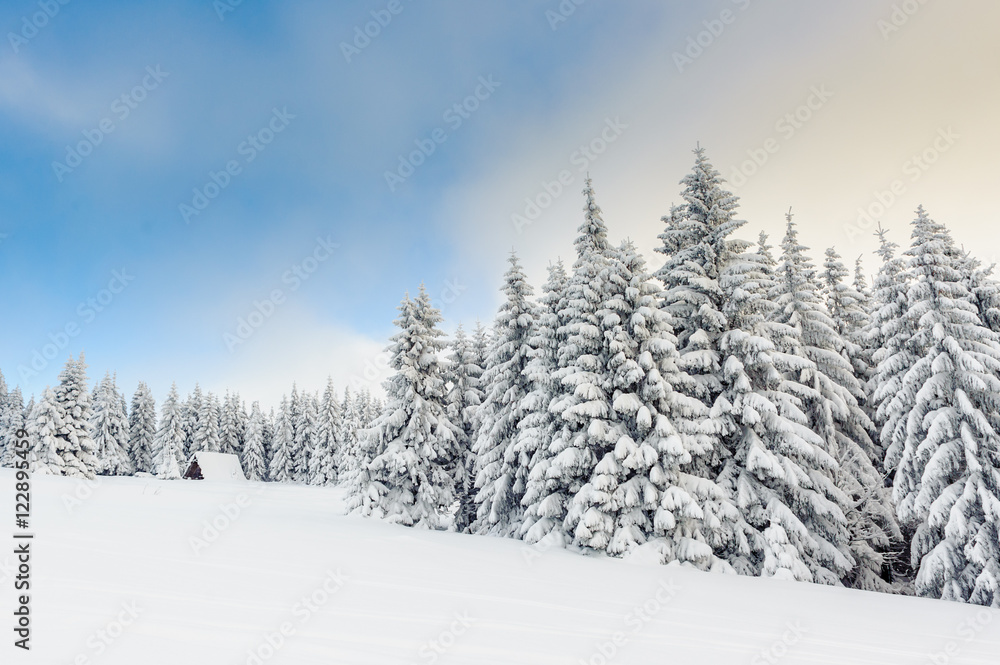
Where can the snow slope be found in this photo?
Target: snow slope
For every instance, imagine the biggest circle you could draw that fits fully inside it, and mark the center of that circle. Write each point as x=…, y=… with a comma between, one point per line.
x=396, y=595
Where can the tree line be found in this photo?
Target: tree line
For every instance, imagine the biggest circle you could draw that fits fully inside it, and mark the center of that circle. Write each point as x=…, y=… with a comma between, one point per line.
x=78, y=432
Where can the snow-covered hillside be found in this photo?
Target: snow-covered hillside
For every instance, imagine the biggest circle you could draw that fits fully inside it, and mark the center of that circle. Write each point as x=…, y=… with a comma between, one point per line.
x=131, y=572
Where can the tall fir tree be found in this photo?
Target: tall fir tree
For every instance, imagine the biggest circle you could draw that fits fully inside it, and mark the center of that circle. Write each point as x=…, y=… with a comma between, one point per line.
x=703, y=269
x=350, y=447
x=209, y=417
x=142, y=429
x=74, y=444
x=765, y=256
x=407, y=461
x=43, y=426
x=697, y=248
x=254, y=463
x=581, y=404
x=267, y=435
x=889, y=335
x=295, y=449
x=860, y=522
x=230, y=431
x=282, y=465
x=109, y=430
x=168, y=453
x=947, y=485
x=860, y=337
x=848, y=310
x=190, y=412
x=305, y=437
x=465, y=396
x=480, y=342
x=772, y=465
x=323, y=466
x=362, y=406
x=640, y=491
x=538, y=425
x=501, y=470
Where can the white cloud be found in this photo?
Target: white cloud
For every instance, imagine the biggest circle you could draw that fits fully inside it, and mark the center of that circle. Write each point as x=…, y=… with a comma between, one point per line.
x=38, y=98
x=294, y=346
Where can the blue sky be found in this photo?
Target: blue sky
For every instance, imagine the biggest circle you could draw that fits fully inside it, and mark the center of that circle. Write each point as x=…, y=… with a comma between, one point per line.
x=554, y=87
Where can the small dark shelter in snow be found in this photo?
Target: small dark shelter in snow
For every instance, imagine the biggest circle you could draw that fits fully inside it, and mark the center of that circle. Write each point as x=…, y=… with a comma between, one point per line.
x=214, y=466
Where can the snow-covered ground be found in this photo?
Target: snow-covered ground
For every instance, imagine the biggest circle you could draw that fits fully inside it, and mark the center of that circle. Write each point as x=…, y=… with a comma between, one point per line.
x=130, y=572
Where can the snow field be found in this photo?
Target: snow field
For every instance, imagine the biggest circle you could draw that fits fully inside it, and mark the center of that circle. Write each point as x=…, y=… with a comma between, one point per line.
x=176, y=572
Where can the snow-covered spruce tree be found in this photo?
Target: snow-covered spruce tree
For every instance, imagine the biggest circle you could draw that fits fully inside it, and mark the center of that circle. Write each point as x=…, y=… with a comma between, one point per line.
x=848, y=310
x=350, y=448
x=405, y=472
x=209, y=425
x=502, y=470
x=638, y=492
x=362, y=405
x=801, y=307
x=267, y=435
x=27, y=407
x=480, y=343
x=168, y=445
x=242, y=418
x=305, y=436
x=890, y=334
x=985, y=291
x=697, y=249
x=716, y=292
x=584, y=383
x=775, y=467
x=190, y=412
x=765, y=256
x=109, y=430
x=859, y=519
x=368, y=408
x=947, y=485
x=282, y=466
x=538, y=424
x=350, y=432
x=465, y=395
x=230, y=432
x=43, y=425
x=254, y=464
x=323, y=467
x=295, y=452
x=861, y=340
x=123, y=407
x=698, y=253
x=73, y=442
x=12, y=416
x=862, y=288
x=673, y=237
x=142, y=429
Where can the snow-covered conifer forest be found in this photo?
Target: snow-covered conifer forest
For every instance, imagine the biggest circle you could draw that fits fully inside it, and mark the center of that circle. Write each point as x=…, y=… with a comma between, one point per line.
x=752, y=407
